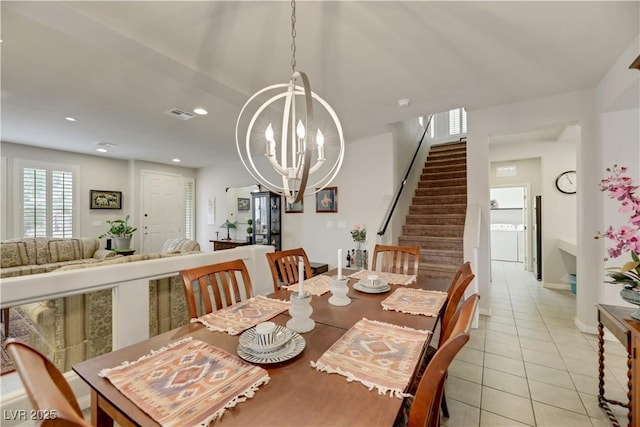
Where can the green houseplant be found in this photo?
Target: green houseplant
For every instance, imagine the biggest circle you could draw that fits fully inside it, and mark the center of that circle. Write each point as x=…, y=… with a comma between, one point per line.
x=249, y=230
x=121, y=232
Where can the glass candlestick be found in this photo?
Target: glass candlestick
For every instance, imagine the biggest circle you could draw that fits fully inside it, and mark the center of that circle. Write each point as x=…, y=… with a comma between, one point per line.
x=339, y=290
x=300, y=311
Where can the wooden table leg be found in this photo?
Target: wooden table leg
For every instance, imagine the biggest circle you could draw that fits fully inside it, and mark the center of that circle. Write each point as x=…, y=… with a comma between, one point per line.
x=99, y=417
x=603, y=402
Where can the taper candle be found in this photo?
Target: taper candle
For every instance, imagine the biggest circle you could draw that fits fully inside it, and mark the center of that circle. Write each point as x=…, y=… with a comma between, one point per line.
x=339, y=264
x=301, y=279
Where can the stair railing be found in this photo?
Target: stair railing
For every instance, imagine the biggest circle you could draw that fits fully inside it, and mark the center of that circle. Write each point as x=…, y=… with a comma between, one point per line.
x=392, y=206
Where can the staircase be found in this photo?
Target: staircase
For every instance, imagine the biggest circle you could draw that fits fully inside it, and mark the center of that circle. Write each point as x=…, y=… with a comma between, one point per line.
x=436, y=216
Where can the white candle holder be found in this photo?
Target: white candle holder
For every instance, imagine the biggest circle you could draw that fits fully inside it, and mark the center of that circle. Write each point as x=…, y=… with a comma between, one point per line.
x=339, y=291
x=300, y=312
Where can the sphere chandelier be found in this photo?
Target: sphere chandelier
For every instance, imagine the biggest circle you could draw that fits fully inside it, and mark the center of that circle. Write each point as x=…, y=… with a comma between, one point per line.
x=311, y=146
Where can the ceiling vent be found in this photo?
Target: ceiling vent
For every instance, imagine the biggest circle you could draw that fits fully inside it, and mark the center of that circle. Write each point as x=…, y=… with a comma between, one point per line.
x=179, y=113
x=102, y=144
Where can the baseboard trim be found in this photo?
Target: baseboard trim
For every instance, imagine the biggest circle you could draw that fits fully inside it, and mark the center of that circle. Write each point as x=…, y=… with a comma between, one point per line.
x=561, y=286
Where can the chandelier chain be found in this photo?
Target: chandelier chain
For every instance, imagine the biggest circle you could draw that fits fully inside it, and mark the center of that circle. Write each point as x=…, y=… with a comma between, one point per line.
x=293, y=35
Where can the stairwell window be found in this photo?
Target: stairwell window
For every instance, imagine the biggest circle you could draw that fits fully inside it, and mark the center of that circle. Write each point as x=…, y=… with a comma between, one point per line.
x=448, y=125
x=457, y=121
x=47, y=208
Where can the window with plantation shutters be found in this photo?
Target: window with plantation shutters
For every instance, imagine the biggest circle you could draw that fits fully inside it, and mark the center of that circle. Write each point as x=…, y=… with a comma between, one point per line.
x=47, y=201
x=448, y=124
x=189, y=208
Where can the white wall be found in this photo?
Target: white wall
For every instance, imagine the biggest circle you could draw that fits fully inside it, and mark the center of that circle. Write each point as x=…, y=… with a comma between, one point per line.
x=621, y=146
x=95, y=173
x=365, y=185
x=540, y=113
x=559, y=211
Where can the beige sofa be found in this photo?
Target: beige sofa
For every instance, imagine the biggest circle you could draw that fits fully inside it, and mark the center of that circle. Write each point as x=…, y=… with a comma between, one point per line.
x=75, y=328
x=21, y=257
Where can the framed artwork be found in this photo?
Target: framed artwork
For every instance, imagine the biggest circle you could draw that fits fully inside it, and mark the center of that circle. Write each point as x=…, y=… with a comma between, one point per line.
x=244, y=204
x=294, y=207
x=101, y=199
x=327, y=200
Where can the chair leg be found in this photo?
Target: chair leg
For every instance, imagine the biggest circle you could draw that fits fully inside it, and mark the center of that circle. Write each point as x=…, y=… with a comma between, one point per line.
x=443, y=405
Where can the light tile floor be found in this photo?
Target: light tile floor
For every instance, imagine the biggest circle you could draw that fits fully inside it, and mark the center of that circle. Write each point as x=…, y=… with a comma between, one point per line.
x=528, y=365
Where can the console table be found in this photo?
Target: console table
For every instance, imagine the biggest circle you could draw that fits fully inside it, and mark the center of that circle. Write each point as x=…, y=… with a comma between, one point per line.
x=627, y=330
x=219, y=245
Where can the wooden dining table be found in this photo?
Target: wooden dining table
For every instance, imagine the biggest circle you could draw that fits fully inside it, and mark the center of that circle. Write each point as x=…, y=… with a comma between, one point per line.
x=296, y=394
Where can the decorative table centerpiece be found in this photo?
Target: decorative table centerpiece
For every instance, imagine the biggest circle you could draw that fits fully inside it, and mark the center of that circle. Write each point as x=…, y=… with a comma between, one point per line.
x=359, y=235
x=627, y=237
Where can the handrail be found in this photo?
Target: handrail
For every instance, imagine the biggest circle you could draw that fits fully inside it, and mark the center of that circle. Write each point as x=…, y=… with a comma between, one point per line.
x=396, y=198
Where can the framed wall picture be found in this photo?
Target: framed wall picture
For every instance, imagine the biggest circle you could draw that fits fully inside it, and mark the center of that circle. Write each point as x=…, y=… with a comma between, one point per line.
x=101, y=199
x=244, y=204
x=327, y=200
x=294, y=207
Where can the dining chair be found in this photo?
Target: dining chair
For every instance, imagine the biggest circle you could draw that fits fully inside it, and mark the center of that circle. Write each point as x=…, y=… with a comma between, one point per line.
x=47, y=388
x=396, y=259
x=426, y=405
x=284, y=266
x=223, y=281
x=455, y=293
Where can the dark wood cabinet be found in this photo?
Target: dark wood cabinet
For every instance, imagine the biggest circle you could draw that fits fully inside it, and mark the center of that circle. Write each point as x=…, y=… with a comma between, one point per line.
x=219, y=245
x=267, y=219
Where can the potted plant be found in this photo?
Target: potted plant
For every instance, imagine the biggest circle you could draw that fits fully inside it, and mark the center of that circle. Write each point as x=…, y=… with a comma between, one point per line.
x=627, y=237
x=250, y=230
x=121, y=232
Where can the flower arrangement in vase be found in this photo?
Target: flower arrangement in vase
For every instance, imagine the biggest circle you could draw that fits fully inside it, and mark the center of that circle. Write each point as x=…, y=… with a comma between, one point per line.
x=359, y=235
x=627, y=237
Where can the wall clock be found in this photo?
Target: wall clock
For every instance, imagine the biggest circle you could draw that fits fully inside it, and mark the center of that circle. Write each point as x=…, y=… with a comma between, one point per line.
x=566, y=182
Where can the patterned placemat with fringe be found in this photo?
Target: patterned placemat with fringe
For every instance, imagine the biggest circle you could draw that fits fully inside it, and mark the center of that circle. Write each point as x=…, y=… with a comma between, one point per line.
x=392, y=278
x=187, y=383
x=317, y=285
x=238, y=317
x=415, y=301
x=377, y=354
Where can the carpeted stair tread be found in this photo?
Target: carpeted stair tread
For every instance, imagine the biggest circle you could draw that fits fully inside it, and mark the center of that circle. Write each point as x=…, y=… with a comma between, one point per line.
x=440, y=183
x=437, y=209
x=444, y=175
x=440, y=219
x=442, y=191
x=449, y=199
x=433, y=230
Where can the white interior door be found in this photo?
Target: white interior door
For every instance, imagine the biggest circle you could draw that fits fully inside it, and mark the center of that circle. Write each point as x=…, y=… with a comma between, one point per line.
x=162, y=209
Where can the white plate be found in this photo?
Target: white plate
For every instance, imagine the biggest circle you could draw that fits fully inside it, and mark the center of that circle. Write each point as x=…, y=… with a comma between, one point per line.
x=248, y=340
x=379, y=284
x=290, y=350
x=371, y=290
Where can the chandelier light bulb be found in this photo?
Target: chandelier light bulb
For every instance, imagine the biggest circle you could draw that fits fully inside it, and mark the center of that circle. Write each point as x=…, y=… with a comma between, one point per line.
x=300, y=130
x=320, y=139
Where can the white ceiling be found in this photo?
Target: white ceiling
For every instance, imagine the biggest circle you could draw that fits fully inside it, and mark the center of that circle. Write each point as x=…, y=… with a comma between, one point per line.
x=118, y=66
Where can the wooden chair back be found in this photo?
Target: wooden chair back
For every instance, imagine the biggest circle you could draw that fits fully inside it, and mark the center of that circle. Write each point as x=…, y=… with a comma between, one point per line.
x=223, y=281
x=284, y=266
x=463, y=271
x=455, y=294
x=428, y=396
x=396, y=259
x=47, y=388
x=425, y=410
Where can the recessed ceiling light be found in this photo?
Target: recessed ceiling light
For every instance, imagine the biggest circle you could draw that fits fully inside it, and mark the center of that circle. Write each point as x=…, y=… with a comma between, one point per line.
x=176, y=160
x=200, y=111
x=404, y=102
x=71, y=119
x=101, y=150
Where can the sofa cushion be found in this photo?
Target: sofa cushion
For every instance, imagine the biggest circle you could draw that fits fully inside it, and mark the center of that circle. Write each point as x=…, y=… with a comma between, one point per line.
x=14, y=254
x=89, y=246
x=41, y=251
x=64, y=250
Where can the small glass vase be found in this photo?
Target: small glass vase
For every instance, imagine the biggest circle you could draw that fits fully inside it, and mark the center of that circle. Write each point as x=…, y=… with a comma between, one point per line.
x=359, y=260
